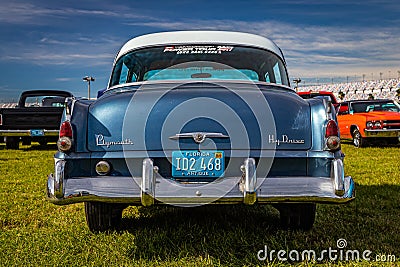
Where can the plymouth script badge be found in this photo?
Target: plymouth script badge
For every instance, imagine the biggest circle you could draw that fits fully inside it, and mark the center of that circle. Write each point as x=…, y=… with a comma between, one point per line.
x=100, y=141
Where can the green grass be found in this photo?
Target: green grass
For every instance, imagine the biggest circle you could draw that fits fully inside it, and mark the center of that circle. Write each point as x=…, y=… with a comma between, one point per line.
x=34, y=232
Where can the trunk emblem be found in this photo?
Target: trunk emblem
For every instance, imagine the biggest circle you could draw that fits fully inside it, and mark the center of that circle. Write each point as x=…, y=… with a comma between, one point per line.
x=198, y=137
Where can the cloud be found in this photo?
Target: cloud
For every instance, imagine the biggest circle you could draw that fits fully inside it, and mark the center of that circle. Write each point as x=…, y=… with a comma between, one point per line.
x=311, y=50
x=64, y=79
x=14, y=12
x=63, y=49
x=308, y=49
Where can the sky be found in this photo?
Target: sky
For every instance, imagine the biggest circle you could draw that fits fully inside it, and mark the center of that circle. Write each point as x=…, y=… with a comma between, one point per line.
x=54, y=44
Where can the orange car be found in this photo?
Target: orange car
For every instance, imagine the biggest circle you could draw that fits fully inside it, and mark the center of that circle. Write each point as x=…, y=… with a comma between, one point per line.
x=367, y=121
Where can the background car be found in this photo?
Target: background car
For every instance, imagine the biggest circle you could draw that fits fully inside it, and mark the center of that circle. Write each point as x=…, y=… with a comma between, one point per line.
x=370, y=121
x=36, y=118
x=312, y=94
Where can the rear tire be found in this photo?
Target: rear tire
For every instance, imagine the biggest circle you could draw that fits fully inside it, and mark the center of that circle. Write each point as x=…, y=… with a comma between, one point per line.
x=101, y=217
x=297, y=216
x=358, y=140
x=12, y=142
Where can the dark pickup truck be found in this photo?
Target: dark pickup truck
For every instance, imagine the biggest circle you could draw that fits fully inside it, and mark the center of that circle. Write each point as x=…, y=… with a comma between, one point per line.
x=36, y=118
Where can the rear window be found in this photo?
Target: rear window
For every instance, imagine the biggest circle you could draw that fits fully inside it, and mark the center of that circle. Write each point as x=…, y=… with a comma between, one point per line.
x=199, y=62
x=44, y=101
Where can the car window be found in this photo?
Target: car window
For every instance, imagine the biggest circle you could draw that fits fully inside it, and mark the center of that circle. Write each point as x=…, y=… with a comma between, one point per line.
x=199, y=62
x=123, y=78
x=44, y=101
x=277, y=74
x=200, y=72
x=374, y=106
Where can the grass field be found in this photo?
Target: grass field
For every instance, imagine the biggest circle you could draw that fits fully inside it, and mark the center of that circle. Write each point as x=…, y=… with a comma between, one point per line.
x=34, y=232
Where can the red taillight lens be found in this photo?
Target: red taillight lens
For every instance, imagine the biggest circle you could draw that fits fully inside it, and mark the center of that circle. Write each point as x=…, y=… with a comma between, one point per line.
x=65, y=129
x=331, y=129
x=332, y=136
x=64, y=142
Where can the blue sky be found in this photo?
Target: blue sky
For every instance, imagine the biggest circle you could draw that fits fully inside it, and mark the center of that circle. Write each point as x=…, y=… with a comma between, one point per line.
x=53, y=44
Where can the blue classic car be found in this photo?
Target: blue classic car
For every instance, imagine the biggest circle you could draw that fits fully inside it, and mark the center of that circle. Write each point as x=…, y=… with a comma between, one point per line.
x=199, y=117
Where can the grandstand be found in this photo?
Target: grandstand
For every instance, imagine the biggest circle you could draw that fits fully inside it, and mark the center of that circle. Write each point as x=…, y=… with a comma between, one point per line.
x=359, y=90
x=8, y=105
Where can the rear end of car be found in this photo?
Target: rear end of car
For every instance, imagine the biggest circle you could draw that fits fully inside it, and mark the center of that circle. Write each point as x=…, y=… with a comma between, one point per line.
x=131, y=159
x=212, y=136
x=36, y=118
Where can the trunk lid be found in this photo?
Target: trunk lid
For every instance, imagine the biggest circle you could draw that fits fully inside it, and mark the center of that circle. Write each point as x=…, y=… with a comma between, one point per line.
x=230, y=116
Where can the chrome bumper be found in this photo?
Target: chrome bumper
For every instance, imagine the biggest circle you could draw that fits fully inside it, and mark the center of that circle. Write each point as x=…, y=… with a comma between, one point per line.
x=27, y=133
x=152, y=189
x=382, y=133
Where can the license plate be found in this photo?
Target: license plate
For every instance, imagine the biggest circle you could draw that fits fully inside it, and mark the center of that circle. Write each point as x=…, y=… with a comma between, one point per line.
x=193, y=163
x=37, y=132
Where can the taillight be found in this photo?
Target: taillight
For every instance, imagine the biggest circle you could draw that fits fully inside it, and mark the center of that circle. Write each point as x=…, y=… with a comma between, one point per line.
x=64, y=142
x=65, y=129
x=331, y=129
x=332, y=136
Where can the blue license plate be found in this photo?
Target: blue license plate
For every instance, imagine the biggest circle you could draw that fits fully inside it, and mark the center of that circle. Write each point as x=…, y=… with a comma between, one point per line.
x=193, y=163
x=37, y=132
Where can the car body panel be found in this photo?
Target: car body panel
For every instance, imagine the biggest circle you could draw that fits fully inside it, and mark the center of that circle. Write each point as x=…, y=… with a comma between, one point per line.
x=105, y=118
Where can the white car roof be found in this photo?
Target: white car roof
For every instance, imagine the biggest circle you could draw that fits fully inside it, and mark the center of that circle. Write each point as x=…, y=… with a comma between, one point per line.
x=200, y=37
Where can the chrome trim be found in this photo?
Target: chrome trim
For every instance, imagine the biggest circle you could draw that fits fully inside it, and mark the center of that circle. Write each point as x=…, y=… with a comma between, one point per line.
x=337, y=174
x=27, y=133
x=103, y=167
x=382, y=133
x=148, y=184
x=198, y=137
x=55, y=183
x=272, y=190
x=67, y=144
x=151, y=188
x=250, y=182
